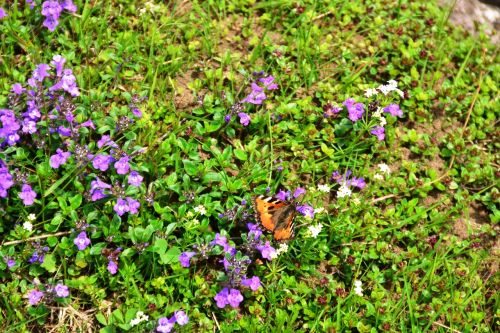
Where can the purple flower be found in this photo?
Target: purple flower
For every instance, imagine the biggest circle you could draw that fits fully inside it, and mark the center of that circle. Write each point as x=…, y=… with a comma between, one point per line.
x=267, y=251
x=58, y=61
x=61, y=290
x=306, y=210
x=329, y=110
x=227, y=118
x=358, y=182
x=253, y=283
x=379, y=132
x=34, y=297
x=17, y=89
x=354, y=109
x=221, y=298
x=35, y=257
x=394, y=110
x=268, y=82
x=29, y=126
x=136, y=112
x=59, y=158
x=282, y=195
x=234, y=298
x=135, y=179
x=257, y=96
x=6, y=181
x=244, y=118
x=181, y=317
x=10, y=263
x=101, y=162
x=67, y=83
x=185, y=258
x=165, y=325
x=40, y=72
x=82, y=241
x=27, y=195
x=255, y=230
x=51, y=10
x=121, y=207
x=298, y=192
x=64, y=131
x=122, y=166
x=112, y=267
x=133, y=206
x=106, y=141
x=69, y=6
x=3, y=13
x=88, y=123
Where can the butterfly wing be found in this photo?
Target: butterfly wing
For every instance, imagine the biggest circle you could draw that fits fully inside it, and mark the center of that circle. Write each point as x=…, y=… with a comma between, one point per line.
x=275, y=215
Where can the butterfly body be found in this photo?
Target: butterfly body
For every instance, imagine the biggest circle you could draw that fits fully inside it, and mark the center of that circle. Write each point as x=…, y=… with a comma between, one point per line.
x=276, y=216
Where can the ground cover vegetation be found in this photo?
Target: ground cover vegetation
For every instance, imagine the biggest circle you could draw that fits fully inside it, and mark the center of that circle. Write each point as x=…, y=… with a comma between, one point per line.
x=136, y=139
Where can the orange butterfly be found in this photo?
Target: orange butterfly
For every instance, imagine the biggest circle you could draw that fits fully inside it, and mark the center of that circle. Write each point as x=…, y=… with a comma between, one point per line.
x=275, y=215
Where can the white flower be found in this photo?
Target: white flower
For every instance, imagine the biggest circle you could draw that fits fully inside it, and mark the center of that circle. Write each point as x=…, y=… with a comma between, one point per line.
x=378, y=176
x=391, y=86
x=356, y=201
x=384, y=168
x=282, y=248
x=378, y=113
x=343, y=191
x=324, y=188
x=31, y=217
x=383, y=121
x=370, y=92
x=314, y=230
x=28, y=226
x=319, y=210
x=139, y=317
x=200, y=210
x=135, y=321
x=357, y=288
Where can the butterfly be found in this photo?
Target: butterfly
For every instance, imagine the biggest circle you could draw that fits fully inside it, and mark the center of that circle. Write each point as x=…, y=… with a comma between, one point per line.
x=275, y=215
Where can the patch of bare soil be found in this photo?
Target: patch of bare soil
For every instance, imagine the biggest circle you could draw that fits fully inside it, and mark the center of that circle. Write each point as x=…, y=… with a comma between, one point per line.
x=184, y=98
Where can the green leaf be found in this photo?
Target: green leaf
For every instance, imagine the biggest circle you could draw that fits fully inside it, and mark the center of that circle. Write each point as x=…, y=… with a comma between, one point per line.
x=49, y=263
x=171, y=256
x=240, y=154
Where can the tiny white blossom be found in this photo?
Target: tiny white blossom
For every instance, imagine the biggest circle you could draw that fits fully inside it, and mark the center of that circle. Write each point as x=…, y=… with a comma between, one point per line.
x=135, y=322
x=319, y=210
x=384, y=168
x=31, y=217
x=378, y=113
x=382, y=121
x=391, y=86
x=28, y=226
x=358, y=290
x=200, y=210
x=139, y=317
x=344, y=191
x=282, y=248
x=324, y=188
x=370, y=92
x=314, y=230
x=378, y=176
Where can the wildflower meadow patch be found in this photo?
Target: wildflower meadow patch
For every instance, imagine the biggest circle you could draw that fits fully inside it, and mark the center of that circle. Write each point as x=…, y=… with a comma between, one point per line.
x=246, y=166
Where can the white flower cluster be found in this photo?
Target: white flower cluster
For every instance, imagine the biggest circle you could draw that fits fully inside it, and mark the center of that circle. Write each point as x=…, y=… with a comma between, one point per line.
x=357, y=288
x=28, y=225
x=392, y=85
x=139, y=318
x=200, y=210
x=324, y=188
x=344, y=191
x=314, y=230
x=281, y=249
x=384, y=169
x=380, y=115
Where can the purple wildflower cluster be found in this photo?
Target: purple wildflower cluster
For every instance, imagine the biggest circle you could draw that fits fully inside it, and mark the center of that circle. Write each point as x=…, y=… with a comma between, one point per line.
x=50, y=293
x=256, y=97
x=165, y=325
x=43, y=111
x=356, y=110
x=348, y=180
x=38, y=255
x=52, y=11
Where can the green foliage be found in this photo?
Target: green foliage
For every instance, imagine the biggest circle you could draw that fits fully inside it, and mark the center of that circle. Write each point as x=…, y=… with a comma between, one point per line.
x=421, y=240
